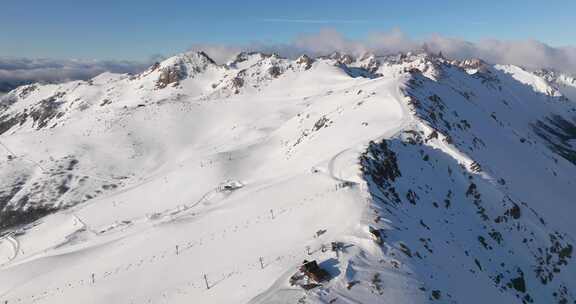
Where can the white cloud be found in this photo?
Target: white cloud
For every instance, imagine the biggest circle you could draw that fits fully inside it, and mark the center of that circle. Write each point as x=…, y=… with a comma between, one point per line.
x=15, y=71
x=316, y=21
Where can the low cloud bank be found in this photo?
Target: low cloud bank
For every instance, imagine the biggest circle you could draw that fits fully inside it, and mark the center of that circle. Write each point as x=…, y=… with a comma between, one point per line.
x=18, y=71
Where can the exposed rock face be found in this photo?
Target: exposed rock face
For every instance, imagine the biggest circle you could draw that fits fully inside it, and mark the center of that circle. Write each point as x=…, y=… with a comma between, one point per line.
x=36, y=191
x=7, y=122
x=42, y=114
x=275, y=71
x=502, y=228
x=305, y=61
x=477, y=64
x=560, y=135
x=344, y=59
x=169, y=75
x=245, y=56
x=178, y=68
x=47, y=110
x=369, y=62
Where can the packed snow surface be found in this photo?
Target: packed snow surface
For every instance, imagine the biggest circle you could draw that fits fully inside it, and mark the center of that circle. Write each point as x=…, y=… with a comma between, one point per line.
x=195, y=182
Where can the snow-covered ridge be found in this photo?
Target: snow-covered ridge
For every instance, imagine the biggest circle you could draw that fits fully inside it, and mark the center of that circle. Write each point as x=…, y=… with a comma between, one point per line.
x=436, y=180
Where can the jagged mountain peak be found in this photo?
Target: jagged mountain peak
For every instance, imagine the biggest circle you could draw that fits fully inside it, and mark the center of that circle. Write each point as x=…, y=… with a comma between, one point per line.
x=192, y=58
x=244, y=60
x=472, y=65
x=342, y=58
x=182, y=66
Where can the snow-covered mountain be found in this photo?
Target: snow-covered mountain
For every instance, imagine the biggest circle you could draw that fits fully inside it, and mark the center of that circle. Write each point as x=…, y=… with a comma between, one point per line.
x=408, y=179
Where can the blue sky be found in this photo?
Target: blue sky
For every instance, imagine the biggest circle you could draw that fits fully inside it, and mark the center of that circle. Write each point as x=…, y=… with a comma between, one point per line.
x=137, y=30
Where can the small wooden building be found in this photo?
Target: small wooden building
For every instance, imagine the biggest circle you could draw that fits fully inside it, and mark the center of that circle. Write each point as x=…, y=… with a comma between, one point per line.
x=314, y=272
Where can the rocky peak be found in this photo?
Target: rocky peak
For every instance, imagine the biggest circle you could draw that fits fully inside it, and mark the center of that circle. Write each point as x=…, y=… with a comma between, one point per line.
x=245, y=59
x=369, y=62
x=305, y=61
x=472, y=64
x=345, y=59
x=191, y=61
x=554, y=76
x=179, y=67
x=244, y=56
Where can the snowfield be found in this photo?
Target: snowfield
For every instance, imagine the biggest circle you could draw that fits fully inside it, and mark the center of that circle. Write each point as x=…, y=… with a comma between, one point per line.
x=441, y=181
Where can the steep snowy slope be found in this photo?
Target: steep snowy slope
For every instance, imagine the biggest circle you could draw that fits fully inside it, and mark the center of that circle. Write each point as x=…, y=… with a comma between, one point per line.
x=440, y=181
x=479, y=207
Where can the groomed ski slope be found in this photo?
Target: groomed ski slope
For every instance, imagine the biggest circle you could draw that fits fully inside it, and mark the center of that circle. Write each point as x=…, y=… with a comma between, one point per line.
x=287, y=151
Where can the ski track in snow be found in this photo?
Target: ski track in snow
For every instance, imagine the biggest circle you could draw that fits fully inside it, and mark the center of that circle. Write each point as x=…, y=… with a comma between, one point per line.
x=184, y=249
x=14, y=248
